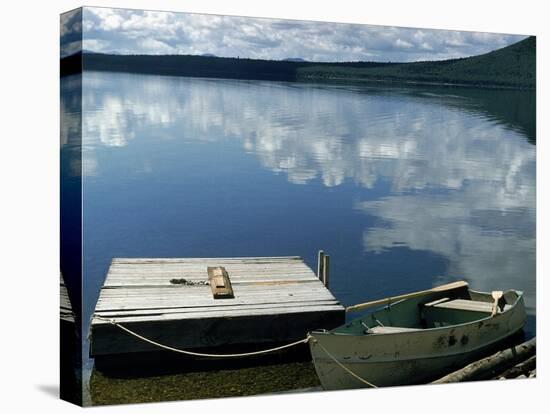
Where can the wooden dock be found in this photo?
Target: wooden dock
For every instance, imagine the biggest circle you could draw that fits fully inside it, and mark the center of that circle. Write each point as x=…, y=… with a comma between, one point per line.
x=275, y=299
x=65, y=309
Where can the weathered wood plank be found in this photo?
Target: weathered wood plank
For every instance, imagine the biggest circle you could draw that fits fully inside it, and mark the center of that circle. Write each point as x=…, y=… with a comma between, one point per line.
x=183, y=305
x=216, y=308
x=158, y=304
x=200, y=274
x=155, y=302
x=65, y=308
x=320, y=256
x=266, y=259
x=202, y=290
x=243, y=297
x=163, y=275
x=197, y=300
x=299, y=267
x=274, y=306
x=326, y=267
x=219, y=282
x=246, y=283
x=220, y=314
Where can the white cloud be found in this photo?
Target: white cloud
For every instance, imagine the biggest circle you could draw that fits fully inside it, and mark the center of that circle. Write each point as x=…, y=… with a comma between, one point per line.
x=131, y=31
x=94, y=44
x=425, y=46
x=70, y=32
x=157, y=46
x=403, y=44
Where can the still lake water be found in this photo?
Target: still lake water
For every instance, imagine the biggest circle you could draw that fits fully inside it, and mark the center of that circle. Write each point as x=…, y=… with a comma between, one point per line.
x=405, y=187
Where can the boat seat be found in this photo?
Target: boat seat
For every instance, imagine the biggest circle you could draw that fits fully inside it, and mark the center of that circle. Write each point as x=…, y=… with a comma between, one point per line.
x=446, y=312
x=464, y=305
x=390, y=329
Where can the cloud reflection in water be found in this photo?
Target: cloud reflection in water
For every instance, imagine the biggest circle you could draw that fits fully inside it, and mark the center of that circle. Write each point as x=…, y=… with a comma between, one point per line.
x=458, y=183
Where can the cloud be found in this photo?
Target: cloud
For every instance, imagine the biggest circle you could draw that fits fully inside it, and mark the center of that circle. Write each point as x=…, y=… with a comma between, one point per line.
x=403, y=44
x=159, y=47
x=70, y=32
x=149, y=32
x=461, y=225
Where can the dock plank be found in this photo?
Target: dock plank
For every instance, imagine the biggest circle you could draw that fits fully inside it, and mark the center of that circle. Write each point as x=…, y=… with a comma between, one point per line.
x=214, y=308
x=65, y=307
x=216, y=314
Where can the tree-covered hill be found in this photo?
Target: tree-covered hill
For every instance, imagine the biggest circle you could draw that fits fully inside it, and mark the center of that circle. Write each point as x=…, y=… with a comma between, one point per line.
x=513, y=66
x=206, y=66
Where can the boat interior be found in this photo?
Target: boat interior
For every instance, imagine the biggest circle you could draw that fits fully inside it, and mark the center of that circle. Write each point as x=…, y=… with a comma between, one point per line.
x=433, y=310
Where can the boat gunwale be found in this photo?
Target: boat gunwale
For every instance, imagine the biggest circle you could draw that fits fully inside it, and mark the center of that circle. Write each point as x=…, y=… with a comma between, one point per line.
x=519, y=294
x=427, y=356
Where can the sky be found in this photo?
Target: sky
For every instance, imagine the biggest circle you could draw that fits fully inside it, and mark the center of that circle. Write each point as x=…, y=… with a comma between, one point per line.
x=125, y=31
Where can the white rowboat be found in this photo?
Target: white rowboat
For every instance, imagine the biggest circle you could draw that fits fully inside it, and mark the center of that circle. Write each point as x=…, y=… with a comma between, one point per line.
x=415, y=338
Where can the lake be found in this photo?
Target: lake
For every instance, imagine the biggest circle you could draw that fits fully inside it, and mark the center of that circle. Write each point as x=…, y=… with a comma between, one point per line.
x=404, y=186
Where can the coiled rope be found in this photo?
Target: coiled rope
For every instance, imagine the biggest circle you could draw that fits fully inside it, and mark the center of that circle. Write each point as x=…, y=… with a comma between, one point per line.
x=244, y=354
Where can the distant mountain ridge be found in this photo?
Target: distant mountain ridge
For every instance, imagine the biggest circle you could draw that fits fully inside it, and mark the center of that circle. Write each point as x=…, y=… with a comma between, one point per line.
x=513, y=66
x=202, y=66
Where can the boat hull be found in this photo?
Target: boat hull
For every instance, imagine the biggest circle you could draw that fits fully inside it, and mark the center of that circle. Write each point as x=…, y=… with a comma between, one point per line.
x=410, y=357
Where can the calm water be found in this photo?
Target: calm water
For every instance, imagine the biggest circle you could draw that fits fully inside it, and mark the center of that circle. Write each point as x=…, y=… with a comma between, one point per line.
x=405, y=187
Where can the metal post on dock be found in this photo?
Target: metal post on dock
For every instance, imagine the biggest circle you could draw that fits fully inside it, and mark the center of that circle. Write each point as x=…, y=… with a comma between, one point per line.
x=326, y=261
x=320, y=256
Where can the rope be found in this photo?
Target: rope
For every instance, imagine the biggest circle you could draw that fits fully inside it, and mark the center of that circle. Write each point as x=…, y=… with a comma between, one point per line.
x=353, y=374
x=200, y=354
x=263, y=351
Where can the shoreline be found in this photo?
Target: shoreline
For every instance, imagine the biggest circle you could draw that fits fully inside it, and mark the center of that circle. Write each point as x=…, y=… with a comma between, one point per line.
x=511, y=67
x=315, y=80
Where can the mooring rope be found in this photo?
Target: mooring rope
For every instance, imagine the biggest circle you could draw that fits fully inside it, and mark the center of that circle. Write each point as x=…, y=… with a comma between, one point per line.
x=353, y=374
x=201, y=354
x=244, y=354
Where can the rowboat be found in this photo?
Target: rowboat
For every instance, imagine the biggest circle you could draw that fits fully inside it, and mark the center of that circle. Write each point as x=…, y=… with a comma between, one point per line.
x=416, y=337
